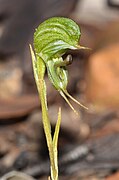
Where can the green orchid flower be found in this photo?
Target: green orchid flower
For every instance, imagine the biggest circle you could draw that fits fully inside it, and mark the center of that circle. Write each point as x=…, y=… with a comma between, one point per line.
x=52, y=39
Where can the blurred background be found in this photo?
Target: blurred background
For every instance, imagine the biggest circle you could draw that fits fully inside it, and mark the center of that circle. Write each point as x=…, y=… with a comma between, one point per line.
x=89, y=143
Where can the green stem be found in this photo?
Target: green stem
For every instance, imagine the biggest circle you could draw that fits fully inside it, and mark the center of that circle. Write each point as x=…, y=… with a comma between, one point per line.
x=39, y=72
x=46, y=124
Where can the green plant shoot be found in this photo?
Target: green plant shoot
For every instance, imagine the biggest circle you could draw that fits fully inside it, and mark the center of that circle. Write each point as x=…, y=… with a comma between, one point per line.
x=52, y=39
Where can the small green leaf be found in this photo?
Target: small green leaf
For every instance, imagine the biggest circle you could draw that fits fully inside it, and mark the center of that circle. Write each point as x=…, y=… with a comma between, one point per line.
x=57, y=128
x=55, y=140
